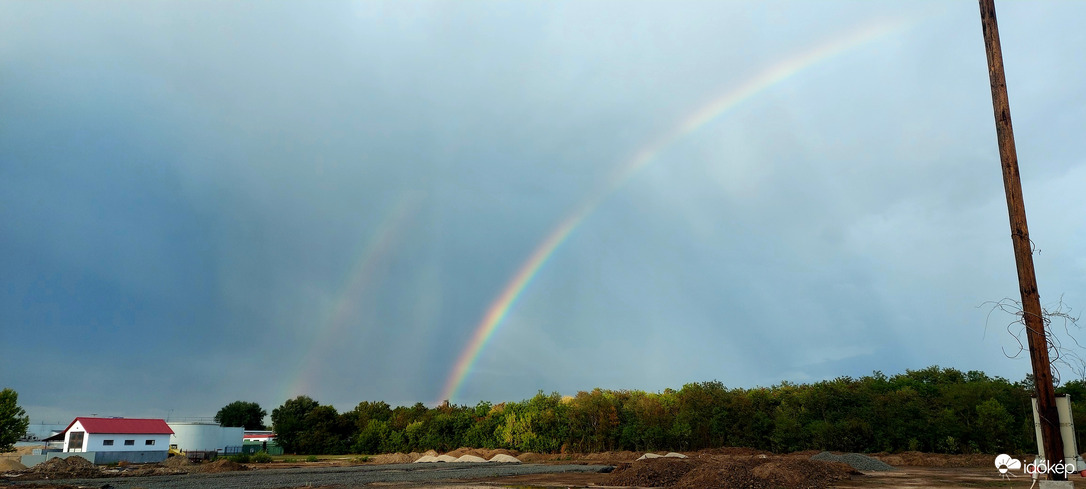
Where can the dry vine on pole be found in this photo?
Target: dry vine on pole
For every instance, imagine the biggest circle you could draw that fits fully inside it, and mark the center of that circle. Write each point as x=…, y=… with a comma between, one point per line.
x=1064, y=348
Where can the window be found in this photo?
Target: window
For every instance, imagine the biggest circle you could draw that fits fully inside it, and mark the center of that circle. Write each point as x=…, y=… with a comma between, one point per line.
x=129, y=443
x=107, y=443
x=149, y=442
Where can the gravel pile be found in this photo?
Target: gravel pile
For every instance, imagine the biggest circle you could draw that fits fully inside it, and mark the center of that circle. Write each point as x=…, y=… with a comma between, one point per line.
x=502, y=458
x=863, y=463
x=468, y=458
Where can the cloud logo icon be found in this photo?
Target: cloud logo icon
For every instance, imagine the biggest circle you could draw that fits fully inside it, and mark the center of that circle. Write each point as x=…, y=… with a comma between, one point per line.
x=1005, y=463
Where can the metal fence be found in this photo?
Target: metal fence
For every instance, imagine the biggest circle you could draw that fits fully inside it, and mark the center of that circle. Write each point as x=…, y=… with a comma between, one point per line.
x=252, y=448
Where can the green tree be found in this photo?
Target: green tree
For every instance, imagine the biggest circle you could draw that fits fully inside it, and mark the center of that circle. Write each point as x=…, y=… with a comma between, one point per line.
x=241, y=413
x=289, y=422
x=371, y=437
x=994, y=423
x=13, y=420
x=325, y=432
x=367, y=411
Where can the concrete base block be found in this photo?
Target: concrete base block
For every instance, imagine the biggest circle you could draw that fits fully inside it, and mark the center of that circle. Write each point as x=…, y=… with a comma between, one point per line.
x=1056, y=485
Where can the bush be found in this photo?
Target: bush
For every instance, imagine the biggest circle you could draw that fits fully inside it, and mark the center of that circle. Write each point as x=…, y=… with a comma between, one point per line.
x=241, y=458
x=311, y=458
x=261, y=458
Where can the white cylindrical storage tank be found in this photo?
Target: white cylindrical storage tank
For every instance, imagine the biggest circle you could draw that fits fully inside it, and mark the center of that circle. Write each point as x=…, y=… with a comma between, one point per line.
x=196, y=437
x=232, y=437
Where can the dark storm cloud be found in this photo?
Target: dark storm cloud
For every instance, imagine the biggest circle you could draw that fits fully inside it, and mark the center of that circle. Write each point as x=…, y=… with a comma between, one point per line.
x=255, y=200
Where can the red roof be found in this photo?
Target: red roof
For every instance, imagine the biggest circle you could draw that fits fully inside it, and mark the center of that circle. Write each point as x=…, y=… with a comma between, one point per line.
x=123, y=426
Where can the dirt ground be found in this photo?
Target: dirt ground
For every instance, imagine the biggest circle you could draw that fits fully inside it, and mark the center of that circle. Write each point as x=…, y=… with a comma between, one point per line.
x=721, y=468
x=909, y=477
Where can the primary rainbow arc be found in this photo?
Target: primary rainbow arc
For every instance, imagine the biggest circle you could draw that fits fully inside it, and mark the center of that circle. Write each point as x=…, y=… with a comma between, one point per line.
x=716, y=108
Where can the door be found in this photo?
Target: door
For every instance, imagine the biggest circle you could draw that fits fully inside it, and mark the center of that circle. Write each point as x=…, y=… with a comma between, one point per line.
x=75, y=441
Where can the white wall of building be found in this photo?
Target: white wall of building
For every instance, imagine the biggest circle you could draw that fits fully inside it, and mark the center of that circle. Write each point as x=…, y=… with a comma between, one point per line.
x=104, y=442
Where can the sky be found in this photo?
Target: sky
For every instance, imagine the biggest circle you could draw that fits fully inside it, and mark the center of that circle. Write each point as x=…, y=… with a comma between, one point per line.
x=203, y=202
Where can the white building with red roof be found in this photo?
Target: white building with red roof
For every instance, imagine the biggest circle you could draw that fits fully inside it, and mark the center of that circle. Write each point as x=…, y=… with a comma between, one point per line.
x=117, y=435
x=110, y=440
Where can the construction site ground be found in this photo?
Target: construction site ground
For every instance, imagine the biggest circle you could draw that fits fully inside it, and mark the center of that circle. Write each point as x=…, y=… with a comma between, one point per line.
x=725, y=467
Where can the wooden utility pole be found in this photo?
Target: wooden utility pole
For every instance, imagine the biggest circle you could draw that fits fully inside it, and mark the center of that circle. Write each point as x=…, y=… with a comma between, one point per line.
x=1023, y=253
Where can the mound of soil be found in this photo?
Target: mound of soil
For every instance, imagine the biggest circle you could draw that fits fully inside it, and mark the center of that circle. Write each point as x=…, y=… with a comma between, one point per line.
x=612, y=458
x=177, y=462
x=532, y=457
x=710, y=472
x=220, y=465
x=460, y=452
x=800, y=473
x=653, y=472
x=718, y=473
x=64, y=468
x=392, y=458
x=10, y=464
x=736, y=452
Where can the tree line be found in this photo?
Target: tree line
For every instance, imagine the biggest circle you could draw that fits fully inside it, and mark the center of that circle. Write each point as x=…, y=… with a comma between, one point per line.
x=935, y=409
